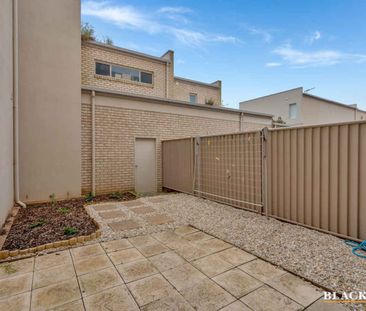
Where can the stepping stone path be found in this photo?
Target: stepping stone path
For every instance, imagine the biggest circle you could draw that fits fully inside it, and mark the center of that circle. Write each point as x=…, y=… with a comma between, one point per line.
x=160, y=271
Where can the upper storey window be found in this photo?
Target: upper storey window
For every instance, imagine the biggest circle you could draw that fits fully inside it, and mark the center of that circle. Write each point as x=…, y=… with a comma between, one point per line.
x=125, y=73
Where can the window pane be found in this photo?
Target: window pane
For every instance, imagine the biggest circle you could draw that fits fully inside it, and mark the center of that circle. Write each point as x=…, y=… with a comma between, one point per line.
x=102, y=69
x=146, y=77
x=125, y=73
x=193, y=98
x=293, y=111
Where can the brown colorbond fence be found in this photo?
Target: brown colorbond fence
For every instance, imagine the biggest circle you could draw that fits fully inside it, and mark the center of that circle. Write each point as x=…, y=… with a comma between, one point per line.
x=317, y=177
x=178, y=164
x=314, y=176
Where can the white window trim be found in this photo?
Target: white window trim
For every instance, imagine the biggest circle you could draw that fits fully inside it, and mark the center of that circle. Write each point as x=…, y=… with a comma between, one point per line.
x=296, y=111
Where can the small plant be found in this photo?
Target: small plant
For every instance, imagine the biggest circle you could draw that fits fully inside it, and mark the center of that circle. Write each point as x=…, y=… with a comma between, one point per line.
x=108, y=40
x=116, y=195
x=38, y=223
x=210, y=102
x=9, y=269
x=87, y=32
x=89, y=197
x=53, y=199
x=70, y=231
x=64, y=210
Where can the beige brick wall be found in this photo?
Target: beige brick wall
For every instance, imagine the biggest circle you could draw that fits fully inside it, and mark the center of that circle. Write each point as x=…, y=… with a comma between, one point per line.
x=116, y=129
x=182, y=89
x=90, y=53
x=177, y=89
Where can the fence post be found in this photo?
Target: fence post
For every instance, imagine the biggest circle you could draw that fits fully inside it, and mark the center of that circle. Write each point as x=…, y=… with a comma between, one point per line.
x=264, y=170
x=197, y=165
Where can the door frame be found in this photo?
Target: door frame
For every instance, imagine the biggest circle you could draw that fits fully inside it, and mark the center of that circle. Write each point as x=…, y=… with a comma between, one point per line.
x=156, y=158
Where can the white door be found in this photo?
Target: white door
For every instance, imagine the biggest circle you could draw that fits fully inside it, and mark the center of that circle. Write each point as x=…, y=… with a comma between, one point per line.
x=145, y=165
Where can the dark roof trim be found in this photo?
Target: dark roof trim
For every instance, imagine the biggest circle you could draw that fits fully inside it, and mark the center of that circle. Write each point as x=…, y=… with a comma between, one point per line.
x=123, y=50
x=197, y=82
x=333, y=102
x=172, y=102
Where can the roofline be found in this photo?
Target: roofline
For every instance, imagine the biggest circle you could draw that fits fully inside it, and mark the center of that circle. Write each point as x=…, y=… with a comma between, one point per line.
x=161, y=100
x=333, y=102
x=260, y=97
x=123, y=50
x=198, y=82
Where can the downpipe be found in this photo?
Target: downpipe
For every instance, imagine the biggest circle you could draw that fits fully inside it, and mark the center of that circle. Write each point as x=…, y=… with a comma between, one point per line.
x=16, y=105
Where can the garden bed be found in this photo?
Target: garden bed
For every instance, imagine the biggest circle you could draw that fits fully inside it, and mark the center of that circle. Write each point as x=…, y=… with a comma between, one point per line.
x=40, y=224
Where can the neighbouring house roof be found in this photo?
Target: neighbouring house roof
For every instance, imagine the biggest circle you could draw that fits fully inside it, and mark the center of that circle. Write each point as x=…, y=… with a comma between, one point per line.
x=300, y=89
x=215, y=84
x=123, y=50
x=334, y=102
x=269, y=95
x=169, y=101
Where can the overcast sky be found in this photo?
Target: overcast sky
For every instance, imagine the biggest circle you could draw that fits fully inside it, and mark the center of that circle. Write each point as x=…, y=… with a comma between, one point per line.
x=255, y=47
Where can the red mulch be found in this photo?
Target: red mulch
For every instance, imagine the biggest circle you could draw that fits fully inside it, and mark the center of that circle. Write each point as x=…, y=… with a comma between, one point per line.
x=40, y=224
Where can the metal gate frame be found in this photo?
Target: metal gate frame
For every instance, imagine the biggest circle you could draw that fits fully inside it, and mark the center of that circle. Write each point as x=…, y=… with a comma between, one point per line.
x=247, y=204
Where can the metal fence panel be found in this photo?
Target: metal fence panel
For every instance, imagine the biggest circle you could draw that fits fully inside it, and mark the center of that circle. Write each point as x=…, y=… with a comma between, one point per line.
x=230, y=169
x=317, y=177
x=178, y=164
x=314, y=176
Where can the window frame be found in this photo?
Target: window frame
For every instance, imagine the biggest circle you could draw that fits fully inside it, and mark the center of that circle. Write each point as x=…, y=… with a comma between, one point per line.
x=196, y=98
x=296, y=111
x=125, y=67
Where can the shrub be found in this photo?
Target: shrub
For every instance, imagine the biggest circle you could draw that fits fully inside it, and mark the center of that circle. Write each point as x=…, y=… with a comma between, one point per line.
x=70, y=231
x=209, y=101
x=38, y=223
x=87, y=32
x=64, y=210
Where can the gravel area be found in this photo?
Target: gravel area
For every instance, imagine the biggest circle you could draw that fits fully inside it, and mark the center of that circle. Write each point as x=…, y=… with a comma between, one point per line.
x=318, y=257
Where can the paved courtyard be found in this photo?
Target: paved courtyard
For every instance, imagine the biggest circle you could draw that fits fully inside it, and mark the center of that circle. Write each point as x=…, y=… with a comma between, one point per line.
x=184, y=269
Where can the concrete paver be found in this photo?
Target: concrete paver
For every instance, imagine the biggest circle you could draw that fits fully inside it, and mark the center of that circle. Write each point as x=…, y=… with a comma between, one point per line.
x=100, y=280
x=237, y=282
x=236, y=256
x=52, y=260
x=19, y=302
x=268, y=299
x=105, y=207
x=93, y=263
x=297, y=289
x=123, y=225
x=212, y=265
x=184, y=276
x=116, y=298
x=53, y=275
x=51, y=296
x=112, y=214
x=167, y=261
x=158, y=219
x=116, y=245
x=125, y=255
x=261, y=270
x=184, y=269
x=136, y=270
x=150, y=289
x=15, y=285
x=207, y=295
x=15, y=268
x=143, y=210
